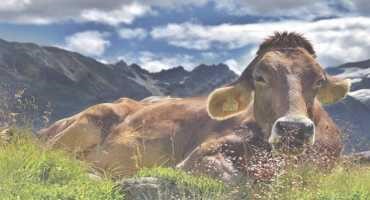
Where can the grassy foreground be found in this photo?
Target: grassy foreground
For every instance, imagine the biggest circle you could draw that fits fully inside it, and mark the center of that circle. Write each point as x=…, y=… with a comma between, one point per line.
x=30, y=172
x=345, y=182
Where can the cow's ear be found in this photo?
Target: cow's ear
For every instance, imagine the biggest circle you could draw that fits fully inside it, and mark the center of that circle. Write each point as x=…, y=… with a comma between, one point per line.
x=226, y=102
x=334, y=90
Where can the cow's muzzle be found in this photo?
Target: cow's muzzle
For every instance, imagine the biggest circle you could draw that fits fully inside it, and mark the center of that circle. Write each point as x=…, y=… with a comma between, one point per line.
x=290, y=134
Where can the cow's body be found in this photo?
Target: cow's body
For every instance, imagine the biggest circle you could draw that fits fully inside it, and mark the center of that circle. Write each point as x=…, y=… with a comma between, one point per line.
x=126, y=135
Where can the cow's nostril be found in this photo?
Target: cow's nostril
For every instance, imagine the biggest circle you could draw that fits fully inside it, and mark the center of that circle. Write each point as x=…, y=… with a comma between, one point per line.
x=308, y=131
x=298, y=127
x=285, y=127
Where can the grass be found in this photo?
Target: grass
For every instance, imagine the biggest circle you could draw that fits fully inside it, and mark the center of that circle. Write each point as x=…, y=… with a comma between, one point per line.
x=30, y=172
x=200, y=187
x=345, y=182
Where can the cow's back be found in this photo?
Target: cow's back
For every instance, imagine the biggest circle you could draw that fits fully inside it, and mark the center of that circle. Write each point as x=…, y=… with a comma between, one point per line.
x=89, y=127
x=163, y=133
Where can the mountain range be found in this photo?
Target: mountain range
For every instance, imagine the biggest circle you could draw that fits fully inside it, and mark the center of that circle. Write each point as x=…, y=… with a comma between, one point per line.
x=65, y=82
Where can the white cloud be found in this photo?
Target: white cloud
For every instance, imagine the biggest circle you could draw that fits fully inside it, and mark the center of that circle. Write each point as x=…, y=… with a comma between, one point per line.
x=13, y=5
x=127, y=33
x=111, y=12
x=198, y=37
x=290, y=8
x=126, y=14
x=34, y=20
x=233, y=65
x=114, y=12
x=175, y=4
x=335, y=40
x=155, y=62
x=90, y=43
x=359, y=6
x=238, y=65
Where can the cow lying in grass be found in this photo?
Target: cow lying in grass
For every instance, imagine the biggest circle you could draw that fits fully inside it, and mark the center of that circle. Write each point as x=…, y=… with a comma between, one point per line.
x=275, y=106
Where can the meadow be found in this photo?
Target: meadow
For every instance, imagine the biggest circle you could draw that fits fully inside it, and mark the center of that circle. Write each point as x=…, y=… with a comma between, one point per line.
x=29, y=171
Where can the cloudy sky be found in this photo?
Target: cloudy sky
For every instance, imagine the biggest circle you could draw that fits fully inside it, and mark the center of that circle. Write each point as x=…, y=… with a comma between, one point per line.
x=160, y=34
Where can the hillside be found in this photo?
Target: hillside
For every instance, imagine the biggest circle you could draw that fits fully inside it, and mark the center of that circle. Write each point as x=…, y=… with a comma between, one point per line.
x=352, y=114
x=61, y=82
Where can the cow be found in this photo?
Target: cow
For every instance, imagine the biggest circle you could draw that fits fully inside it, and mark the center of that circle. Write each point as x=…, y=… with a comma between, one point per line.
x=275, y=106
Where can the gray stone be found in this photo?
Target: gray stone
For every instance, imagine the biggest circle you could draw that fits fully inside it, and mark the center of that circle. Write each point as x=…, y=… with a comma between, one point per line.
x=150, y=188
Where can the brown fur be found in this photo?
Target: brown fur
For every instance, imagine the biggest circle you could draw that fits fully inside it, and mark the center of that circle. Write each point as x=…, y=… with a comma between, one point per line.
x=286, y=40
x=126, y=135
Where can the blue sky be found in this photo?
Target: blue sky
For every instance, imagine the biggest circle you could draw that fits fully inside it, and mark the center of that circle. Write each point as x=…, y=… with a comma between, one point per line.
x=160, y=34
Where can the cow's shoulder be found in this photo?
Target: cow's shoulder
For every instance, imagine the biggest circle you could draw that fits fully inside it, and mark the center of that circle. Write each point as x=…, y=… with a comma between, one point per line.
x=182, y=116
x=163, y=114
x=169, y=109
x=119, y=107
x=103, y=115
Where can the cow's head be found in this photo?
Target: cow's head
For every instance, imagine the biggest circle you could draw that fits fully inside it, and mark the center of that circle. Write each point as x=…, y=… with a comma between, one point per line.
x=284, y=82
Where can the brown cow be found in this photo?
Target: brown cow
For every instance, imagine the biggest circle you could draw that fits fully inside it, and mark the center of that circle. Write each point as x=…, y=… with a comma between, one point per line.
x=275, y=103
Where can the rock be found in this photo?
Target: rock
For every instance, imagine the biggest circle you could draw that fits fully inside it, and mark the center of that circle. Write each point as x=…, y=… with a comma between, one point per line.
x=150, y=188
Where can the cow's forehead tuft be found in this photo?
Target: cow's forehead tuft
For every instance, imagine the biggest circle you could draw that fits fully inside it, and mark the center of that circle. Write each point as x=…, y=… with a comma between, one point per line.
x=287, y=57
x=286, y=40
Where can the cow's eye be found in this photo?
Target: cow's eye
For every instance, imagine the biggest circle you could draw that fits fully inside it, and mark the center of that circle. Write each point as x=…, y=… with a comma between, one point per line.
x=319, y=83
x=260, y=79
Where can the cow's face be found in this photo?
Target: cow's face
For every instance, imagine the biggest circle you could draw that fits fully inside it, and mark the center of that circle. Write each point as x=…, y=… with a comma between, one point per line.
x=284, y=85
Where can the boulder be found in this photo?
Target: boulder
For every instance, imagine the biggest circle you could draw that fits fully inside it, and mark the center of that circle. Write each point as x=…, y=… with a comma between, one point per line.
x=150, y=188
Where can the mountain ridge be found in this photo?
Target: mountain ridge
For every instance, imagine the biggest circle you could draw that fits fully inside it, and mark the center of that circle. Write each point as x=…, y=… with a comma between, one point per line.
x=71, y=81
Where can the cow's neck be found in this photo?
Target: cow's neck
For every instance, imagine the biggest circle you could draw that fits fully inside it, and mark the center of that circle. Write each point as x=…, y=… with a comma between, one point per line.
x=247, y=121
x=317, y=112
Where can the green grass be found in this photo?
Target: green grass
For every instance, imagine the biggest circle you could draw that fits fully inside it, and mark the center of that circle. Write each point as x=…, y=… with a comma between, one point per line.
x=201, y=187
x=30, y=172
x=345, y=182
